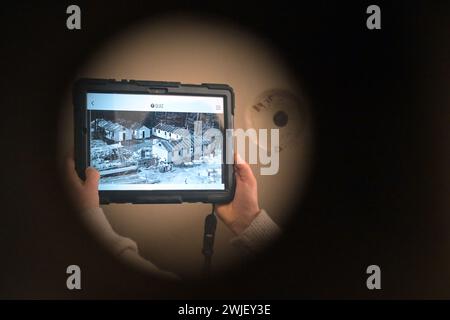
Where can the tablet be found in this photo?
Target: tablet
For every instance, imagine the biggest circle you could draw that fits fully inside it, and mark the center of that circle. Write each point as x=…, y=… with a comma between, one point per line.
x=155, y=142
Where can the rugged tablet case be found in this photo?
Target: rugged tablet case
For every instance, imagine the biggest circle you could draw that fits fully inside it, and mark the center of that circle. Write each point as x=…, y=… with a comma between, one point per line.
x=82, y=144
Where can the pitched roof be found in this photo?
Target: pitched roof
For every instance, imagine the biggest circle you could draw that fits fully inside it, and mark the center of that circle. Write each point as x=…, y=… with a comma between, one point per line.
x=102, y=123
x=109, y=125
x=184, y=143
x=166, y=127
x=167, y=145
x=138, y=126
x=114, y=127
x=170, y=145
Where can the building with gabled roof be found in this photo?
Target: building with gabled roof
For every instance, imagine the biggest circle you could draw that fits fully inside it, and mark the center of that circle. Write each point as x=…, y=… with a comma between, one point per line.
x=115, y=131
x=140, y=131
x=172, y=151
x=166, y=131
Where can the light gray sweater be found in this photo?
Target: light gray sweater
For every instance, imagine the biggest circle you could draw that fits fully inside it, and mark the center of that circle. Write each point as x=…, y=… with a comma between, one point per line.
x=261, y=231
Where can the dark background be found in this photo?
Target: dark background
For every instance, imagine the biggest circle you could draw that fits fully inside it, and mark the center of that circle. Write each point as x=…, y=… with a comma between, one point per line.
x=376, y=195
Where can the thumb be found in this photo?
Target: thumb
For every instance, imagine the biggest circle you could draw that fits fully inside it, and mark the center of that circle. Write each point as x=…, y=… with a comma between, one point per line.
x=244, y=171
x=71, y=175
x=92, y=177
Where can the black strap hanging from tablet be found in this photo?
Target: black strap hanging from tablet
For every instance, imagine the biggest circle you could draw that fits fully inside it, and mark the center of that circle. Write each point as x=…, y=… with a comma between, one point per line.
x=208, y=240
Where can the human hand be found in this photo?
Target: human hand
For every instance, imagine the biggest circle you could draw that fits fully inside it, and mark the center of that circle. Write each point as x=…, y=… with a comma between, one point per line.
x=239, y=213
x=83, y=193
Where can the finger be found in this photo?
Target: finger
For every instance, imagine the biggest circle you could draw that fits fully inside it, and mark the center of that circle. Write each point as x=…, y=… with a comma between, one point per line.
x=238, y=159
x=223, y=211
x=92, y=177
x=244, y=171
x=71, y=173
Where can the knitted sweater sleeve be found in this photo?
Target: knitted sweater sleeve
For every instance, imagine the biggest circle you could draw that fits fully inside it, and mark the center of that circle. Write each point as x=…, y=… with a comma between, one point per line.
x=122, y=247
x=260, y=233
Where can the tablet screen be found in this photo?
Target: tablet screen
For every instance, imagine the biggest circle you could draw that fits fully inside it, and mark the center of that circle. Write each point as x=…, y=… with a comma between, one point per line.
x=156, y=142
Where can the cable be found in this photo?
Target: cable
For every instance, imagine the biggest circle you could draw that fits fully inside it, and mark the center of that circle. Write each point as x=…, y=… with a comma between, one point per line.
x=208, y=240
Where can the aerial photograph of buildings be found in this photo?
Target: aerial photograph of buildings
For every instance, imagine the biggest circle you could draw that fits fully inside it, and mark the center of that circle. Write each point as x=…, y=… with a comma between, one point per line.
x=130, y=147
